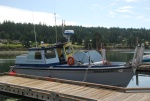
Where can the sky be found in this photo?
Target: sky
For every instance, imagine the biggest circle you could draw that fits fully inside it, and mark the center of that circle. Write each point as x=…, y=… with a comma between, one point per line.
x=88, y=13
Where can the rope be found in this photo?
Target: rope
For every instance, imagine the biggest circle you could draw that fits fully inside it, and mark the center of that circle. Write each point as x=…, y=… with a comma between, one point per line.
x=85, y=75
x=11, y=68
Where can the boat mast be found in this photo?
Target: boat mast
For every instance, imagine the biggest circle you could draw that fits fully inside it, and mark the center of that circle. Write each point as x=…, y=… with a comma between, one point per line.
x=55, y=26
x=34, y=29
x=63, y=24
x=35, y=36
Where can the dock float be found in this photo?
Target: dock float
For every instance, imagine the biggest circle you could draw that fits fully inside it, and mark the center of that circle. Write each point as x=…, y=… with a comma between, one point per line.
x=144, y=68
x=52, y=89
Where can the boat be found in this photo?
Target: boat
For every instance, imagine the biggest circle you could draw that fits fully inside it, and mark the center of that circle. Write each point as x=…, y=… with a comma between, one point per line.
x=146, y=59
x=63, y=62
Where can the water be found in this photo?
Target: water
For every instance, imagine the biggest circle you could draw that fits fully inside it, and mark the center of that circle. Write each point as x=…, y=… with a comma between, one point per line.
x=140, y=80
x=119, y=55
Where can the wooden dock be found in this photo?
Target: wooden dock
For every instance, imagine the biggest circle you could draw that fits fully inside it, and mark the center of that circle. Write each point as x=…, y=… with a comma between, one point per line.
x=51, y=89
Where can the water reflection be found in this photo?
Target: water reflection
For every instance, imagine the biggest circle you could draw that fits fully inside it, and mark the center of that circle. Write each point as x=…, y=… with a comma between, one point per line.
x=140, y=80
x=10, y=54
x=5, y=65
x=119, y=56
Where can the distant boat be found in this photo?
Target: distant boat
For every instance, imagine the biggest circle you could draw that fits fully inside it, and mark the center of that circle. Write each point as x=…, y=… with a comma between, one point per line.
x=61, y=61
x=146, y=59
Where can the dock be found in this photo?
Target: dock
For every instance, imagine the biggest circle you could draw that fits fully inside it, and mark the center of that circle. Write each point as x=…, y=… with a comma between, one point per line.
x=144, y=68
x=52, y=89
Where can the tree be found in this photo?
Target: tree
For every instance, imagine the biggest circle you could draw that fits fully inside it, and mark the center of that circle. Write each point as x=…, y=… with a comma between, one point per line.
x=114, y=35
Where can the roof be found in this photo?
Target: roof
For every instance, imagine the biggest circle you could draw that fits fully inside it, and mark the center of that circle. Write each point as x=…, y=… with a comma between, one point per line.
x=56, y=45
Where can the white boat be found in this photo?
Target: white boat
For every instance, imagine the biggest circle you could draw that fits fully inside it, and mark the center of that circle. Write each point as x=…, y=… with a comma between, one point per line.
x=61, y=61
x=146, y=59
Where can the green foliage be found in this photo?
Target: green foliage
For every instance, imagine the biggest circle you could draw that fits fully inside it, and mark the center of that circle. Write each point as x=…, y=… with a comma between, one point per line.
x=11, y=47
x=106, y=36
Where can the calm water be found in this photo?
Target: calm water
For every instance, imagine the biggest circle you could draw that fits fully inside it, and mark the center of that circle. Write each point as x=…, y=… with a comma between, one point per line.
x=141, y=79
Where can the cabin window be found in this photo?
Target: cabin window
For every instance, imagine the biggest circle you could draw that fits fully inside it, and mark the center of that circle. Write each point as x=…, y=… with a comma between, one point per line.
x=50, y=54
x=30, y=55
x=69, y=50
x=34, y=55
x=38, y=55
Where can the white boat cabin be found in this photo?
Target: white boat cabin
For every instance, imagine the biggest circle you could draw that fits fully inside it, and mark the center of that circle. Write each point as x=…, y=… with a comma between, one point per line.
x=58, y=54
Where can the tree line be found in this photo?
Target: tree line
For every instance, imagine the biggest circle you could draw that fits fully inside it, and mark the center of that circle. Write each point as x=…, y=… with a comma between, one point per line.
x=93, y=36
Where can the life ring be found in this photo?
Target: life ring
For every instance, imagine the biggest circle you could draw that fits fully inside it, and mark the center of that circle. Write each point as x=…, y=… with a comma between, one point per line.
x=71, y=61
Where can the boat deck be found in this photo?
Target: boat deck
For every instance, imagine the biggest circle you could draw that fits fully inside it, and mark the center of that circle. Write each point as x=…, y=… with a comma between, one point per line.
x=51, y=89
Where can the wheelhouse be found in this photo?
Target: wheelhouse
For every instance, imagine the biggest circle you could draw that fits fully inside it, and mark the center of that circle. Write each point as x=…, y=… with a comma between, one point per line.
x=58, y=54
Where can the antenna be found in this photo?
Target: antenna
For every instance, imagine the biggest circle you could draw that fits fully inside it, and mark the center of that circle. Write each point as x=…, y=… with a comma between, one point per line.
x=35, y=35
x=55, y=26
x=34, y=29
x=63, y=25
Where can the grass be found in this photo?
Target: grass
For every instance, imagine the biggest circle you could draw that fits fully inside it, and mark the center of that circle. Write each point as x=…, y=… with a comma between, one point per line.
x=11, y=47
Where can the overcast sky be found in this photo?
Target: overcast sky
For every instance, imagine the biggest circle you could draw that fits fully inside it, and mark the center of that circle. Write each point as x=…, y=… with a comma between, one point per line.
x=103, y=13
